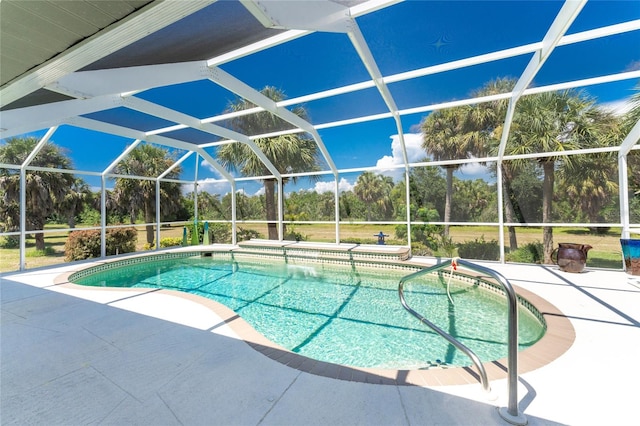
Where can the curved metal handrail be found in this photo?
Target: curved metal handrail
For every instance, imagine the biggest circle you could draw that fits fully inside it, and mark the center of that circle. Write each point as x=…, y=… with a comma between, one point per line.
x=512, y=414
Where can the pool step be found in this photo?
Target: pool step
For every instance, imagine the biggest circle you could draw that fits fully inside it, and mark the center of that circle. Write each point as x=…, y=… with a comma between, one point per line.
x=325, y=251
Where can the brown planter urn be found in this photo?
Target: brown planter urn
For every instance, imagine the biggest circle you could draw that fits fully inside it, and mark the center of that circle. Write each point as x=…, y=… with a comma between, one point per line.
x=571, y=257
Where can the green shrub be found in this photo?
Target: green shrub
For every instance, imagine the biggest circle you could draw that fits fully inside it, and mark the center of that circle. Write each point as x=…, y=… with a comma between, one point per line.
x=82, y=245
x=292, y=235
x=447, y=246
x=247, y=234
x=121, y=239
x=9, y=242
x=479, y=249
x=164, y=243
x=419, y=249
x=33, y=252
x=220, y=233
x=352, y=241
x=170, y=242
x=530, y=253
x=90, y=216
x=295, y=236
x=86, y=244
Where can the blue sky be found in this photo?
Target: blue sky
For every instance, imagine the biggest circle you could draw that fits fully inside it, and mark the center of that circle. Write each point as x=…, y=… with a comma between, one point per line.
x=423, y=33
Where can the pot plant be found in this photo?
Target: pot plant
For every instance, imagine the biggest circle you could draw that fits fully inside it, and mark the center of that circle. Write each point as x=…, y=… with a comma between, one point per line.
x=631, y=255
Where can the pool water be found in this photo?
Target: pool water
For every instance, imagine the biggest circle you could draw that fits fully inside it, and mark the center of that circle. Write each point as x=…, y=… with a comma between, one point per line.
x=339, y=314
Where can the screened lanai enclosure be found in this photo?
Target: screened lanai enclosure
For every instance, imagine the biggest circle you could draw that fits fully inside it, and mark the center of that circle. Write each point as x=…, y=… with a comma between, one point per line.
x=480, y=129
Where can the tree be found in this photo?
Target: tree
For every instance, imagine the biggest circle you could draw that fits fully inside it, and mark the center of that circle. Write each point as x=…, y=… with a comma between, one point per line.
x=75, y=200
x=351, y=207
x=427, y=188
x=633, y=159
x=140, y=195
x=589, y=183
x=590, y=180
x=374, y=190
x=553, y=122
x=209, y=206
x=449, y=134
x=289, y=153
x=487, y=121
x=45, y=190
x=473, y=198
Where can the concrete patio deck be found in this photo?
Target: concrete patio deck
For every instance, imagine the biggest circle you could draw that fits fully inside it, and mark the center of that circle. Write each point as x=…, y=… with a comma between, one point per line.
x=97, y=356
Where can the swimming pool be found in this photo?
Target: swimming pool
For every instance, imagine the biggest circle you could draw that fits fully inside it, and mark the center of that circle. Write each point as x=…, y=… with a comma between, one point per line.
x=340, y=314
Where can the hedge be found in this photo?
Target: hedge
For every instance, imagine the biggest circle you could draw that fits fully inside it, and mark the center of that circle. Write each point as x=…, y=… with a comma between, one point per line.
x=86, y=244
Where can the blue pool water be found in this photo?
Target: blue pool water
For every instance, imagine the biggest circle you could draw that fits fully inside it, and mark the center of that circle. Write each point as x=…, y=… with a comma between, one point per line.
x=340, y=314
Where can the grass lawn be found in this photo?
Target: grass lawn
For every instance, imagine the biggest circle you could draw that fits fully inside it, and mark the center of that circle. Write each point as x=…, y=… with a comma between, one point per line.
x=606, y=252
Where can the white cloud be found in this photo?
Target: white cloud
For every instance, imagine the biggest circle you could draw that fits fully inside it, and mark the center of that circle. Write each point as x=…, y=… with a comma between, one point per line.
x=343, y=185
x=473, y=171
x=415, y=153
x=619, y=107
x=211, y=185
x=207, y=165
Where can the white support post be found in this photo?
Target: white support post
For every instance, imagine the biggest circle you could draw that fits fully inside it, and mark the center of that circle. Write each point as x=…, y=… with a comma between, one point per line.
x=103, y=215
x=23, y=193
x=234, y=228
x=500, y=211
x=337, y=206
x=165, y=173
x=157, y=213
x=195, y=192
x=23, y=217
x=408, y=209
x=623, y=184
x=280, y=210
x=103, y=206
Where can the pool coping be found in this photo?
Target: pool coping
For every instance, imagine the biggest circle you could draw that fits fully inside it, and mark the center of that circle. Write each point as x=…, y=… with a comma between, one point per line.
x=558, y=338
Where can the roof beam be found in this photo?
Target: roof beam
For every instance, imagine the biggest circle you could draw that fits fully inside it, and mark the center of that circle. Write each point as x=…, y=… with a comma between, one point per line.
x=121, y=157
x=324, y=15
x=126, y=132
x=178, y=117
x=23, y=120
x=472, y=101
x=238, y=87
x=560, y=25
x=453, y=65
x=136, y=26
x=360, y=44
x=85, y=84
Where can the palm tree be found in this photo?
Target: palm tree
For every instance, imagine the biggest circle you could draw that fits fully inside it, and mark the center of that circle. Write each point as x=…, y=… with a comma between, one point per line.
x=374, y=190
x=140, y=195
x=633, y=116
x=487, y=121
x=629, y=120
x=449, y=135
x=553, y=122
x=45, y=191
x=590, y=180
x=291, y=153
x=77, y=197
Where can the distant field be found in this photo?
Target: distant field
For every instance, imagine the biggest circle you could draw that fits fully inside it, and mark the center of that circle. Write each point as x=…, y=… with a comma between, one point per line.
x=606, y=252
